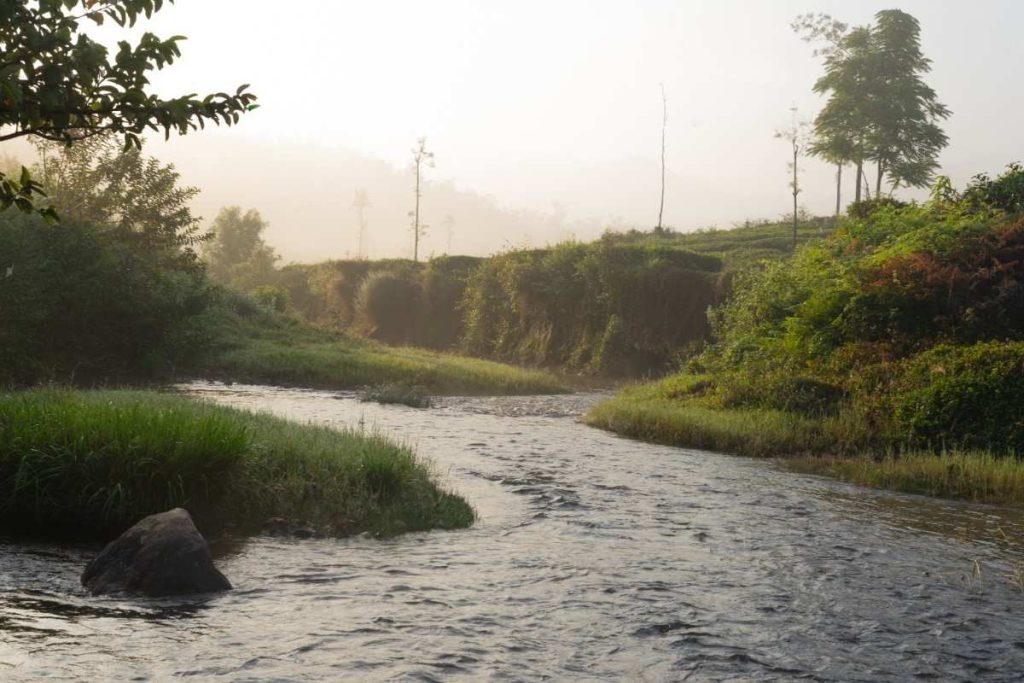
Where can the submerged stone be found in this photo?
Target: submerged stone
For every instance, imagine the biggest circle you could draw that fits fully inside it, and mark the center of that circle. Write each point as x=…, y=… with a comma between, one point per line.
x=164, y=554
x=279, y=526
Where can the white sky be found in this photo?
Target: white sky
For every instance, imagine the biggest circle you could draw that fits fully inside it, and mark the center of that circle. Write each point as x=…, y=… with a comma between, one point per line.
x=544, y=104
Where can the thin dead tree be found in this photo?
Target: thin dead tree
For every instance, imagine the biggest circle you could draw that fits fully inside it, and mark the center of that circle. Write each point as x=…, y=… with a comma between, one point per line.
x=421, y=157
x=796, y=136
x=664, y=125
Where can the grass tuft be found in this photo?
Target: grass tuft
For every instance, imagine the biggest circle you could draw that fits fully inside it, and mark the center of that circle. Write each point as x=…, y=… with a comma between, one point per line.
x=397, y=393
x=93, y=463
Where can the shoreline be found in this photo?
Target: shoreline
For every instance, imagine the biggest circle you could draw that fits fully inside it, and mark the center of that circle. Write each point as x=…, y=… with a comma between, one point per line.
x=822, y=446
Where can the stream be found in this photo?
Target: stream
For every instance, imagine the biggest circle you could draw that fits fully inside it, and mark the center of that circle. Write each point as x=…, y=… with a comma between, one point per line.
x=594, y=557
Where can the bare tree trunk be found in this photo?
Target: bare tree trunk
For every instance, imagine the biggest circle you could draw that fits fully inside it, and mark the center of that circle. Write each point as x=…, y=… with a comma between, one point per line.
x=416, y=219
x=839, y=189
x=878, y=180
x=860, y=173
x=664, y=124
x=796, y=191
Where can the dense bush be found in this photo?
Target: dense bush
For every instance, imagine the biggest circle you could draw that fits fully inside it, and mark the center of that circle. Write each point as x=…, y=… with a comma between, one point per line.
x=275, y=298
x=864, y=208
x=443, y=285
x=963, y=396
x=604, y=307
x=82, y=303
x=801, y=394
x=1003, y=193
x=388, y=305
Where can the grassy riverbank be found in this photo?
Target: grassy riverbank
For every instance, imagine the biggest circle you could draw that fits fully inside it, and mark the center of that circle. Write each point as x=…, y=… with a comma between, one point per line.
x=674, y=412
x=89, y=464
x=251, y=344
x=890, y=353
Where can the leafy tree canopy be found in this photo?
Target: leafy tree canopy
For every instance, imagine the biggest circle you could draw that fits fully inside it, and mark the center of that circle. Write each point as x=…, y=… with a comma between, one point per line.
x=236, y=254
x=97, y=181
x=58, y=84
x=879, y=107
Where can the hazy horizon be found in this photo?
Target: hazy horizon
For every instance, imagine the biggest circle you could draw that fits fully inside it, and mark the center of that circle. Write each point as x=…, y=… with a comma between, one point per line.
x=545, y=119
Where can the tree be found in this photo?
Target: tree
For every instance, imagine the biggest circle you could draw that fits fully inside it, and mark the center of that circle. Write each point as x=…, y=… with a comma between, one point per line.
x=420, y=157
x=236, y=254
x=879, y=108
x=58, y=84
x=796, y=136
x=115, y=289
x=360, y=202
x=844, y=125
x=97, y=181
x=664, y=124
x=906, y=138
x=830, y=142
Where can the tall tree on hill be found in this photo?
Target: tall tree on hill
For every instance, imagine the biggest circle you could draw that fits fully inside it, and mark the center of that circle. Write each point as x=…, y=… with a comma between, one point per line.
x=830, y=141
x=664, y=124
x=906, y=138
x=879, y=108
x=421, y=158
x=58, y=84
x=843, y=128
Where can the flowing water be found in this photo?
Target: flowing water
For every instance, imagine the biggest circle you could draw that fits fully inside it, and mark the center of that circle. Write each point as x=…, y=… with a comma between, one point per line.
x=595, y=557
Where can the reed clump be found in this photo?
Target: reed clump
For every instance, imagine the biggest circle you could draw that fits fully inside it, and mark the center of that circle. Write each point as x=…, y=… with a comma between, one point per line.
x=91, y=463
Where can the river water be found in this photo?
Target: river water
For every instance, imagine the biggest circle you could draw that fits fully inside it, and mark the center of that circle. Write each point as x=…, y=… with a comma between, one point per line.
x=595, y=557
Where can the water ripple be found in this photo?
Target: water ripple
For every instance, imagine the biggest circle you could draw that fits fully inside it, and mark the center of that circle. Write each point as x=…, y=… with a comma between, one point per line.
x=595, y=558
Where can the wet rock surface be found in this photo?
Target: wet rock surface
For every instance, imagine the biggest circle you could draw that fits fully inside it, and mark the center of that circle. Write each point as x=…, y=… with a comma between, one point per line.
x=164, y=554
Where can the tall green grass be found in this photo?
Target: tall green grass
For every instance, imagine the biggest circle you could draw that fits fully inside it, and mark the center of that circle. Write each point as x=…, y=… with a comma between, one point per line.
x=93, y=463
x=672, y=412
x=261, y=346
x=350, y=365
x=976, y=476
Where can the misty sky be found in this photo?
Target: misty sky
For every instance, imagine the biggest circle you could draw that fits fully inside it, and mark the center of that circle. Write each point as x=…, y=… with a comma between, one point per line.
x=544, y=115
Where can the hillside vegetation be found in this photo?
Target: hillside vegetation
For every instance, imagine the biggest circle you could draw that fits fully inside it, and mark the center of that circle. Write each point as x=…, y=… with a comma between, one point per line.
x=249, y=342
x=626, y=304
x=901, y=332
x=85, y=303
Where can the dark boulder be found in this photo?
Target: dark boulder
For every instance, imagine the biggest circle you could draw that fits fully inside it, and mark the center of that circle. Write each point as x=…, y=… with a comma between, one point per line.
x=164, y=554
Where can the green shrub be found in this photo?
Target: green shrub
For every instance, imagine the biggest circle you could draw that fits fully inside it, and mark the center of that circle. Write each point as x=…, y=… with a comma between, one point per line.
x=275, y=298
x=85, y=303
x=866, y=207
x=607, y=307
x=963, y=396
x=388, y=305
x=1003, y=193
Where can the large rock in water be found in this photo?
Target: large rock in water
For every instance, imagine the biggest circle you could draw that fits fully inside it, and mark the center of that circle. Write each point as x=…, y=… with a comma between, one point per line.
x=164, y=554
